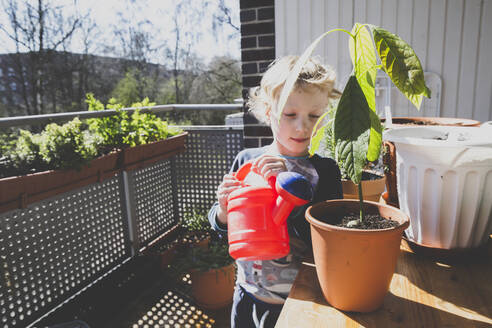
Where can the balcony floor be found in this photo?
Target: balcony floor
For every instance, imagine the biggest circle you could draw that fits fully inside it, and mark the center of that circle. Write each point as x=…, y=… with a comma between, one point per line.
x=137, y=294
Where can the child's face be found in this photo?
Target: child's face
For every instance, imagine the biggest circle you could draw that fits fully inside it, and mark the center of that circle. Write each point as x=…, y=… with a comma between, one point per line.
x=303, y=108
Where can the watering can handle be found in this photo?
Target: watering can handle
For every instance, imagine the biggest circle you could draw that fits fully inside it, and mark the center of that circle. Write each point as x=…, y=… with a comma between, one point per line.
x=244, y=170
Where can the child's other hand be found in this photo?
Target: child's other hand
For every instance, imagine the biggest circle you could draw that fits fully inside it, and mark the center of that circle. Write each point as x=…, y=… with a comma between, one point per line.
x=228, y=185
x=269, y=166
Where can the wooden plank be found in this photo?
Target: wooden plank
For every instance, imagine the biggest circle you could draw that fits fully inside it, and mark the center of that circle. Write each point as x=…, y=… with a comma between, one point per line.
x=483, y=87
x=374, y=12
x=420, y=27
x=346, y=22
x=280, y=35
x=318, y=25
x=435, y=47
x=330, y=42
x=451, y=62
x=469, y=58
x=360, y=7
x=388, y=22
x=305, y=34
x=423, y=293
x=388, y=16
x=292, y=28
x=400, y=105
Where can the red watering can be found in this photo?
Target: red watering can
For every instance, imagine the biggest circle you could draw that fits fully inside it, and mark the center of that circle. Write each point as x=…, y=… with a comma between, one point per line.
x=257, y=213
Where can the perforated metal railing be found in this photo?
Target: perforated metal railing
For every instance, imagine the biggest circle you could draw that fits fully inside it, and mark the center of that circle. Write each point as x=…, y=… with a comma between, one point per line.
x=54, y=248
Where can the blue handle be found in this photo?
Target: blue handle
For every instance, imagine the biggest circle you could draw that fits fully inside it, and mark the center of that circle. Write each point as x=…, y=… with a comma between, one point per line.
x=295, y=184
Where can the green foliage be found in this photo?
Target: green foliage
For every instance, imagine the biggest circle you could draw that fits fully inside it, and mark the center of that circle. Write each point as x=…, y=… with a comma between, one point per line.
x=352, y=128
x=195, y=221
x=75, y=144
x=216, y=256
x=133, y=87
x=123, y=130
x=20, y=154
x=56, y=147
x=357, y=128
x=68, y=145
x=401, y=64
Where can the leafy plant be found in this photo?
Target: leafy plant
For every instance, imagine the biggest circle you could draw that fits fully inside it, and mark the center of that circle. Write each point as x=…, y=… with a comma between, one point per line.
x=357, y=128
x=68, y=145
x=56, y=147
x=75, y=143
x=123, y=130
x=215, y=256
x=194, y=221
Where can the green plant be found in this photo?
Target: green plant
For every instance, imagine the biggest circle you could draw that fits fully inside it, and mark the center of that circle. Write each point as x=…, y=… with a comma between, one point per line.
x=215, y=256
x=357, y=128
x=75, y=143
x=68, y=145
x=195, y=221
x=56, y=147
x=124, y=130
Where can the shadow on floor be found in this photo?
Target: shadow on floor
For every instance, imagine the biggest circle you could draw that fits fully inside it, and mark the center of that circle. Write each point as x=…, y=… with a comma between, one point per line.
x=135, y=295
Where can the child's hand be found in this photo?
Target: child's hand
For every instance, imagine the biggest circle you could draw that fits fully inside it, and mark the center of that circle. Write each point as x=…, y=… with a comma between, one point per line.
x=269, y=166
x=228, y=185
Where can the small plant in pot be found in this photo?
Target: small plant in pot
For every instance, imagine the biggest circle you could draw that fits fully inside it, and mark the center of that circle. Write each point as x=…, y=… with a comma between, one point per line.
x=355, y=242
x=212, y=272
x=197, y=229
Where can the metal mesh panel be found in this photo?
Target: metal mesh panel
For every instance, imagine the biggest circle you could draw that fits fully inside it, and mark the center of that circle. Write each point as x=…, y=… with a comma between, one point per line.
x=56, y=246
x=154, y=200
x=209, y=155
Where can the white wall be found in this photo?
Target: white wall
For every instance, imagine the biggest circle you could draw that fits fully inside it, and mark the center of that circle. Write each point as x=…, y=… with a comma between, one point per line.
x=452, y=38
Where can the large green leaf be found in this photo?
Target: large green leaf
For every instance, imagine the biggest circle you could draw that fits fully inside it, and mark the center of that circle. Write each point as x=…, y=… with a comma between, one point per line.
x=352, y=128
x=376, y=137
x=365, y=69
x=364, y=61
x=401, y=64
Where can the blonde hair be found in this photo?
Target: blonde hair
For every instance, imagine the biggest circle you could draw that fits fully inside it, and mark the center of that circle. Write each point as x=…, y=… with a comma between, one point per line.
x=263, y=98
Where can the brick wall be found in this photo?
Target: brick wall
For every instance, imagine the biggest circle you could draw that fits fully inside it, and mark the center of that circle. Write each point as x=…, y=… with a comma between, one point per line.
x=257, y=52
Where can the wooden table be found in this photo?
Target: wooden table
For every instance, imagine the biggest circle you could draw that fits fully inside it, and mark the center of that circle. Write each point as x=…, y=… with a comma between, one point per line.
x=423, y=293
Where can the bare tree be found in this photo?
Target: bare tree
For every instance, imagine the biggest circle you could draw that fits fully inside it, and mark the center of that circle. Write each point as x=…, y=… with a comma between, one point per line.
x=38, y=30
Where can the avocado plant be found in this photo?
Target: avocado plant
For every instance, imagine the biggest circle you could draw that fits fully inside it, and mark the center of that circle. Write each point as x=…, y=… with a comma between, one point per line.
x=357, y=127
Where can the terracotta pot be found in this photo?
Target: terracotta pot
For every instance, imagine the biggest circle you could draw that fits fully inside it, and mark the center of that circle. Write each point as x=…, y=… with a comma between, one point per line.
x=145, y=155
x=389, y=155
x=371, y=189
x=20, y=191
x=354, y=266
x=213, y=289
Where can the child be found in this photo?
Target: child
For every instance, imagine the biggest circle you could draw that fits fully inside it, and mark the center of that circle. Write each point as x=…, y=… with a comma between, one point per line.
x=263, y=286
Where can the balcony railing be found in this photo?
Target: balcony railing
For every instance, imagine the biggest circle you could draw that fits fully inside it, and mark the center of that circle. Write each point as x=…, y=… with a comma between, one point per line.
x=54, y=248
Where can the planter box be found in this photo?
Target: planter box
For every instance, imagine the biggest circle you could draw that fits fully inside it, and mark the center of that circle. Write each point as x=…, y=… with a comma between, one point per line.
x=20, y=191
x=145, y=155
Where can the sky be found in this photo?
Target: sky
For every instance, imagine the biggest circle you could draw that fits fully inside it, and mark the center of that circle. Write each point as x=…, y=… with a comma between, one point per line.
x=156, y=18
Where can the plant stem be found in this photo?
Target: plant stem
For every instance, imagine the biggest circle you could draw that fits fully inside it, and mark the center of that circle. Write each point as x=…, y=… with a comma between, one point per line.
x=361, y=203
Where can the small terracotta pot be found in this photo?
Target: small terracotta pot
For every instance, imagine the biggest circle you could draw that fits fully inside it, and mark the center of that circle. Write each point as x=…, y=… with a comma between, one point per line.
x=354, y=266
x=213, y=289
x=389, y=157
x=371, y=189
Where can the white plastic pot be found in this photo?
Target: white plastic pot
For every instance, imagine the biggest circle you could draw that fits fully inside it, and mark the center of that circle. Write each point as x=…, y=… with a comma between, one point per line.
x=444, y=182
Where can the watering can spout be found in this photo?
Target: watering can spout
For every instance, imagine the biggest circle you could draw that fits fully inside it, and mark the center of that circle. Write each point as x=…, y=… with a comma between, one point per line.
x=293, y=190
